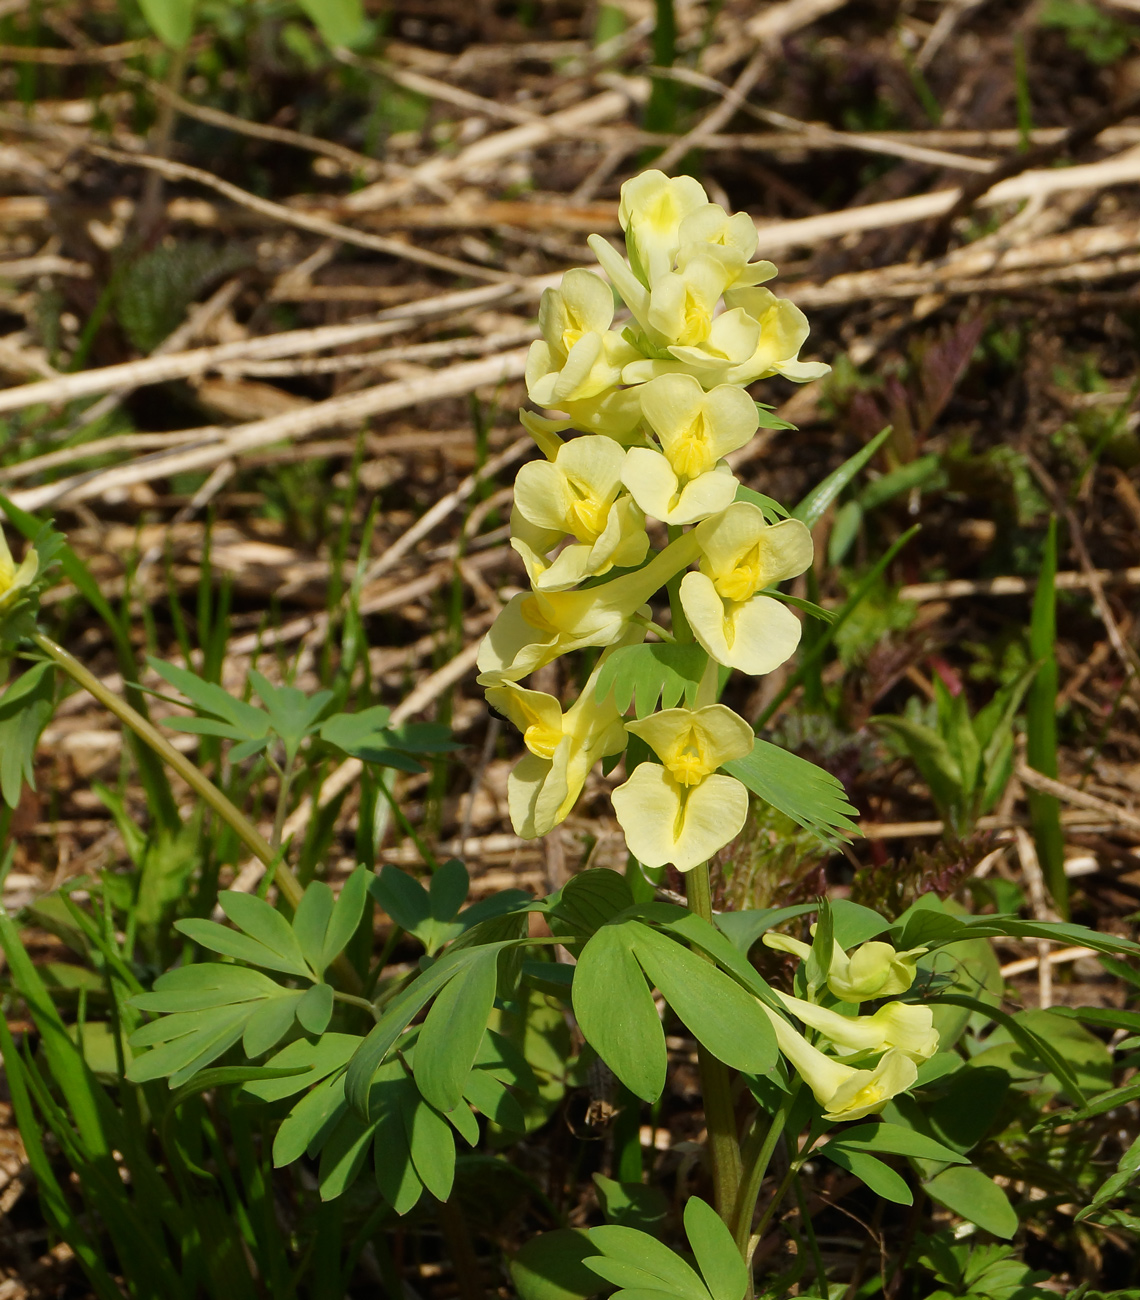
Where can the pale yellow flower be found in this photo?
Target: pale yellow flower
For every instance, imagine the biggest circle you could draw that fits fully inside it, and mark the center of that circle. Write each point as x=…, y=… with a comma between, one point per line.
x=741, y=553
x=651, y=211
x=903, y=1025
x=15, y=579
x=683, y=811
x=579, y=356
x=546, y=782
x=536, y=628
x=872, y=970
x=845, y=1093
x=758, y=335
x=688, y=480
x=710, y=231
x=580, y=493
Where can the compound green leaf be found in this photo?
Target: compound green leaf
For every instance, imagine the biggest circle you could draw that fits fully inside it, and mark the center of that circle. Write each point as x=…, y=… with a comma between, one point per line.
x=203, y=986
x=343, y=1155
x=25, y=709
x=263, y=922
x=453, y=1030
x=431, y=1142
x=643, y=674
x=310, y=1122
x=717, y=1011
x=893, y=1139
x=811, y=797
x=717, y=1255
x=880, y=1178
x=315, y=1008
x=331, y=1052
x=311, y=923
x=616, y=1013
x=270, y=1021
x=551, y=1266
x=643, y=1262
x=969, y=1193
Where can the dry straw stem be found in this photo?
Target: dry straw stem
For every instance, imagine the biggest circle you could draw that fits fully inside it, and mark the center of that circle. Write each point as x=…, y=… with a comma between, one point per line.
x=1058, y=957
x=1124, y=169
x=920, y=592
x=27, y=268
x=972, y=269
x=71, y=58
x=176, y=171
x=348, y=158
x=218, y=445
x=492, y=149
x=1079, y=798
x=184, y=365
x=1076, y=820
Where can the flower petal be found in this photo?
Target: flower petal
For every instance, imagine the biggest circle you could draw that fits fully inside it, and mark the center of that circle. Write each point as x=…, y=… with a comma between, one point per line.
x=664, y=823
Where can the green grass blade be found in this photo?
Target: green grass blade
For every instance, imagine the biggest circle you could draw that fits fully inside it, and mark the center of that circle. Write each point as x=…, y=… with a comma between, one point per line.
x=1041, y=727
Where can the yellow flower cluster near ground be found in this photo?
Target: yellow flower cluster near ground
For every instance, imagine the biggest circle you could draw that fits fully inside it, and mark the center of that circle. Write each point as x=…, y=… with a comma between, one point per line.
x=656, y=404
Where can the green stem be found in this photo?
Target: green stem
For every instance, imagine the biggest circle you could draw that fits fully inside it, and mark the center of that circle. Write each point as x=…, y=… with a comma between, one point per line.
x=290, y=887
x=354, y=1001
x=756, y=1156
x=813, y=1244
x=285, y=782
x=682, y=632
x=720, y=1117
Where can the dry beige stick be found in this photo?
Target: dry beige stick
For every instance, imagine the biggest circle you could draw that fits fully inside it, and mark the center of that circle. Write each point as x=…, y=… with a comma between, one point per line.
x=493, y=148
x=1055, y=958
x=350, y=408
x=26, y=268
x=1121, y=170
x=96, y=53
x=991, y=822
x=968, y=263
x=920, y=592
x=183, y=365
x=103, y=447
x=177, y=171
x=718, y=116
x=1079, y=273
x=314, y=627
x=348, y=158
x=1038, y=901
x=813, y=135
x=441, y=90
x=473, y=346
x=442, y=508
x=1068, y=794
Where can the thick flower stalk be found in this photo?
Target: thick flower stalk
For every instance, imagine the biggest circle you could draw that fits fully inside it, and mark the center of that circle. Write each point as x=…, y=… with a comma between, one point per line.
x=608, y=521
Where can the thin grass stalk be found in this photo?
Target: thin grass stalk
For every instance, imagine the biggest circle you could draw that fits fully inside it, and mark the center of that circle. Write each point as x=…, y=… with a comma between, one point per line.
x=1041, y=727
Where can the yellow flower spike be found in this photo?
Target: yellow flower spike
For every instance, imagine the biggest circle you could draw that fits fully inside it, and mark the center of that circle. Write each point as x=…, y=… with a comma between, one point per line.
x=845, y=1093
x=873, y=970
x=15, y=579
x=683, y=811
x=578, y=356
x=741, y=553
x=651, y=211
x=538, y=627
x=905, y=1026
x=546, y=782
x=689, y=481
